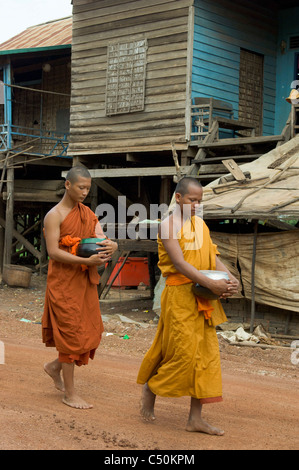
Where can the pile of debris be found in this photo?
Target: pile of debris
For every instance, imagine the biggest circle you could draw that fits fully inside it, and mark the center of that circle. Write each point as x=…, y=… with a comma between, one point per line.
x=236, y=334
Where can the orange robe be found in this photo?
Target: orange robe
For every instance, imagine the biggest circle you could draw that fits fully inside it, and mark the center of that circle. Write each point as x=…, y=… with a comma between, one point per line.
x=184, y=359
x=72, y=319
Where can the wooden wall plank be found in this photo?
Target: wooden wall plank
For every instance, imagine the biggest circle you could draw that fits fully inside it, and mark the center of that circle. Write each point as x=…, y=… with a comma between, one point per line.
x=124, y=34
x=164, y=23
x=222, y=28
x=133, y=15
x=133, y=23
x=88, y=6
x=169, y=136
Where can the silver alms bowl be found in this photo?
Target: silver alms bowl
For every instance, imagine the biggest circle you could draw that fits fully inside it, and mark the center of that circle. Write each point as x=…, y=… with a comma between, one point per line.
x=204, y=292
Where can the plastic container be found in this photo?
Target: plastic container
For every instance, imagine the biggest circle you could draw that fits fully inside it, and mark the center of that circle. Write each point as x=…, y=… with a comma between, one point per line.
x=134, y=272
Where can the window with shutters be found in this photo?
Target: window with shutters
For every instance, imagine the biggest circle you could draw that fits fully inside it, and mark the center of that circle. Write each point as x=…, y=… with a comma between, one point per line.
x=294, y=42
x=251, y=88
x=126, y=70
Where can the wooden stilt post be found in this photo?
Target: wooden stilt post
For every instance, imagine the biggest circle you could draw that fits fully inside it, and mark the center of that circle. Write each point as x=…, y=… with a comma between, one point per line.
x=93, y=196
x=43, y=248
x=9, y=216
x=151, y=269
x=2, y=232
x=165, y=190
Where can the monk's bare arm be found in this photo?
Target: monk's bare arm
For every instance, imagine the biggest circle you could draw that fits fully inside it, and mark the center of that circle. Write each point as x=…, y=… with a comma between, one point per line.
x=234, y=285
x=110, y=247
x=52, y=232
x=99, y=231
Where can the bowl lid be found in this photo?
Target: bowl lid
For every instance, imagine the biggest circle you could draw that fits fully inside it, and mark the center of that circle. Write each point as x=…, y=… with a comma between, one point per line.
x=216, y=275
x=91, y=240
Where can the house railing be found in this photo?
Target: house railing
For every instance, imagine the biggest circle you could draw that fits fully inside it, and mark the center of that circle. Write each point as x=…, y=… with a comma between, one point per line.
x=41, y=142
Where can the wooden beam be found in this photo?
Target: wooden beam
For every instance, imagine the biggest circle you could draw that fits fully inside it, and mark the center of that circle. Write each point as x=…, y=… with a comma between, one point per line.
x=108, y=188
x=42, y=161
x=201, y=153
x=37, y=196
x=234, y=169
x=28, y=230
x=235, y=142
x=22, y=240
x=38, y=185
x=250, y=157
x=149, y=246
x=133, y=172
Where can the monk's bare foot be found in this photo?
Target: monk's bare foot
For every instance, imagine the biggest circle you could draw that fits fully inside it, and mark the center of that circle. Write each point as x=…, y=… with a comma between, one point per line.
x=147, y=404
x=202, y=426
x=53, y=369
x=76, y=402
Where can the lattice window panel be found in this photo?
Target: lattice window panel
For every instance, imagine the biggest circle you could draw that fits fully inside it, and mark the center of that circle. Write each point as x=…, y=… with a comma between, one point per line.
x=126, y=70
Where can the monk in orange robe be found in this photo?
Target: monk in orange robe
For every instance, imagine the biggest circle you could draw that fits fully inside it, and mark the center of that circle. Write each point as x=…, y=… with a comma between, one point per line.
x=72, y=319
x=184, y=359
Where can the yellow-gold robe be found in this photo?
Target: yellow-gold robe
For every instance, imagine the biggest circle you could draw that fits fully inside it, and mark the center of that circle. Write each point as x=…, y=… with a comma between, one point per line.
x=184, y=359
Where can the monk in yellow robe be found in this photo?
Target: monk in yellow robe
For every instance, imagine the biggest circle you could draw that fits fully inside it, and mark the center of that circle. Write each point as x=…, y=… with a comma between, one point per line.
x=184, y=359
x=72, y=319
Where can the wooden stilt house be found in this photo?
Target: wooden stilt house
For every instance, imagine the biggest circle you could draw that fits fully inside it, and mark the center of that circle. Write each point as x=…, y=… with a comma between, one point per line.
x=203, y=80
x=35, y=77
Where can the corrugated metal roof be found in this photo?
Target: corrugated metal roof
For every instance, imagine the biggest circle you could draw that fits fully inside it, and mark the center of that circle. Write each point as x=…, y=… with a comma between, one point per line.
x=50, y=34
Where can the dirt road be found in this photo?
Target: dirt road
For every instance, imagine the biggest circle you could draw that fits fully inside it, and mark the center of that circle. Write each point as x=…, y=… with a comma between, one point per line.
x=260, y=408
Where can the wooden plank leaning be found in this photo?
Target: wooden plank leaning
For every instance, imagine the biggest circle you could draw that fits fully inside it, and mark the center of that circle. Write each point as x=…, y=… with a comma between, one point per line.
x=22, y=240
x=4, y=171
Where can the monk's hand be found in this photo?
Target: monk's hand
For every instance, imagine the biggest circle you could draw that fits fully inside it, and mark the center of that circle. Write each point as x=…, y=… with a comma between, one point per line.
x=223, y=288
x=98, y=259
x=108, y=247
x=232, y=288
x=235, y=284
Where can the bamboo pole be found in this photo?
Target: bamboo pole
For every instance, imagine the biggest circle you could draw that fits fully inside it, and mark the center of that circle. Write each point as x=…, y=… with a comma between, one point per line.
x=253, y=277
x=16, y=154
x=38, y=91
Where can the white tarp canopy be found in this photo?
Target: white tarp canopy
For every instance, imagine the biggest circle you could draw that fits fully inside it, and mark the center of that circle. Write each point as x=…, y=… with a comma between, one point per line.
x=271, y=193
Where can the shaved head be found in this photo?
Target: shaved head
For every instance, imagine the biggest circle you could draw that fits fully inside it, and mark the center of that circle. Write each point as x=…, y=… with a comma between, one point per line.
x=77, y=172
x=183, y=185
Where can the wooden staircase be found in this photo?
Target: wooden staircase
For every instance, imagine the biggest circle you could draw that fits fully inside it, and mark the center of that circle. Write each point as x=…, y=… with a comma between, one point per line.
x=209, y=153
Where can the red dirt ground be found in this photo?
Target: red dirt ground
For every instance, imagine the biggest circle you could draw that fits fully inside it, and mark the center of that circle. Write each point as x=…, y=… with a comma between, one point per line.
x=260, y=408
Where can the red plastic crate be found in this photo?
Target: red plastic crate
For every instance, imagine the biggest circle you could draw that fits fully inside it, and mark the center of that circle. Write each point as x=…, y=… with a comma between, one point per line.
x=134, y=271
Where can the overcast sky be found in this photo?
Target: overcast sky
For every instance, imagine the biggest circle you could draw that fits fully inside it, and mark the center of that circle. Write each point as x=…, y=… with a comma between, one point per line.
x=17, y=15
